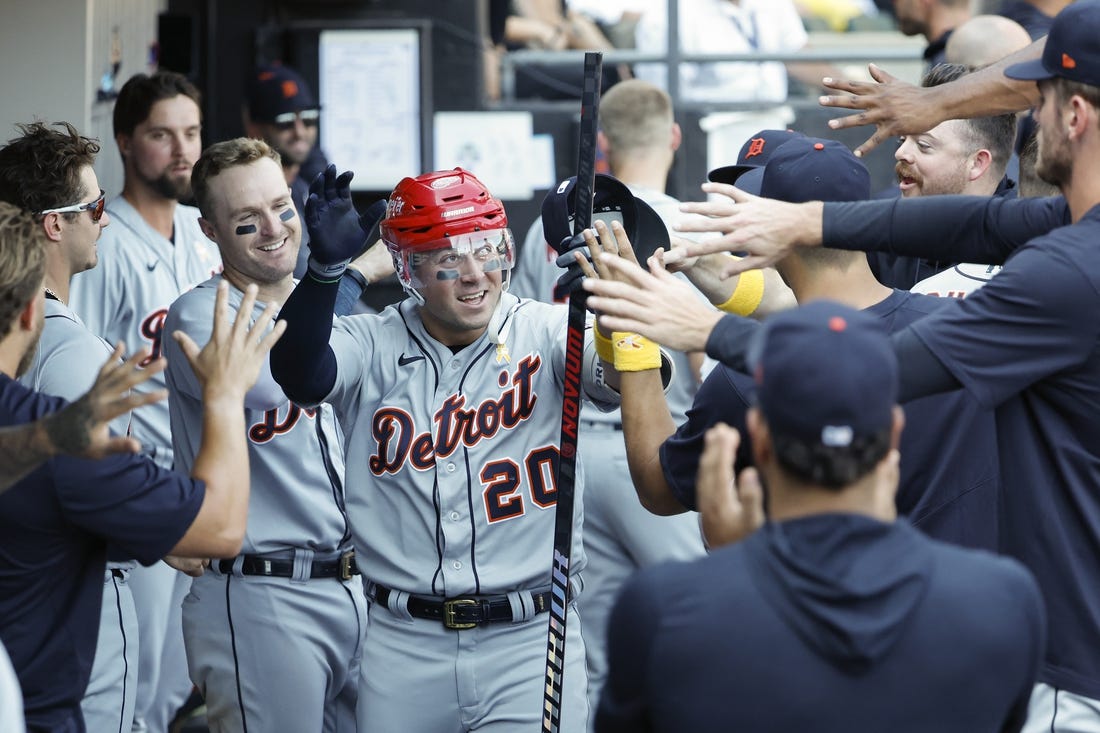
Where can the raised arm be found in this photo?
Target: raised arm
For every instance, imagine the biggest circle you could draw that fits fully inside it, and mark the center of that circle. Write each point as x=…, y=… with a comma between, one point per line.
x=647, y=421
x=957, y=228
x=227, y=367
x=303, y=363
x=81, y=428
x=898, y=108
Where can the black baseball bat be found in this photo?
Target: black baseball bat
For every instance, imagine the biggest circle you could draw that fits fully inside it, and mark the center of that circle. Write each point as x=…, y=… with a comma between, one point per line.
x=584, y=190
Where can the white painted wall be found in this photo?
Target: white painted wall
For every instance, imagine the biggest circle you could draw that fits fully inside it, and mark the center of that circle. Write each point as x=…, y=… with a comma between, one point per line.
x=53, y=54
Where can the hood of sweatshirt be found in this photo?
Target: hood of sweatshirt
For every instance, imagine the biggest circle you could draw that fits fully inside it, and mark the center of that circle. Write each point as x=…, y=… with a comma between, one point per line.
x=845, y=583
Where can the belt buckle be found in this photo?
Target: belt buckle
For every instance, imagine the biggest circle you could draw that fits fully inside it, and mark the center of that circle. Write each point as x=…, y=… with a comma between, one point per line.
x=449, y=612
x=345, y=565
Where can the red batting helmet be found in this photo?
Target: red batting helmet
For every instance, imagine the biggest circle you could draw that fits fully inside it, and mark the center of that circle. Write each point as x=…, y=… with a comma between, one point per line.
x=445, y=209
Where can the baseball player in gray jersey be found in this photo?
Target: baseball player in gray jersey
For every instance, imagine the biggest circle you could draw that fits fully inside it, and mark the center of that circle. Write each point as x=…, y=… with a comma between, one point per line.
x=154, y=251
x=273, y=635
x=451, y=406
x=67, y=361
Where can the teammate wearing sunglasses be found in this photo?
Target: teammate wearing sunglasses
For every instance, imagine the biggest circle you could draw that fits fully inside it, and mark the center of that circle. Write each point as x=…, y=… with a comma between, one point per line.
x=282, y=111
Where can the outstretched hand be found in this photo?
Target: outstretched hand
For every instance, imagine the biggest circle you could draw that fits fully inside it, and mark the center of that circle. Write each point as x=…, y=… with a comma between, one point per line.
x=81, y=429
x=230, y=362
x=766, y=229
x=335, y=233
x=729, y=511
x=894, y=107
x=656, y=304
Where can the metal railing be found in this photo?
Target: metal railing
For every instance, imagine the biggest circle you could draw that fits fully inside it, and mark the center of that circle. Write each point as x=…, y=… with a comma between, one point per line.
x=512, y=60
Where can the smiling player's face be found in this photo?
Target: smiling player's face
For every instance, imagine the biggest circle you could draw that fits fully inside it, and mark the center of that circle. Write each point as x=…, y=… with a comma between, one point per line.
x=459, y=296
x=254, y=224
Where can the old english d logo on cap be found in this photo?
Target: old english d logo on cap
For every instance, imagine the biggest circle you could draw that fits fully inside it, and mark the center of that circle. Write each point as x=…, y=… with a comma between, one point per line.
x=756, y=147
x=1068, y=62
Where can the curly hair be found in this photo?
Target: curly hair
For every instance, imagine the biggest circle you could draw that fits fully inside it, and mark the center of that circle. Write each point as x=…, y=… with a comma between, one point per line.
x=41, y=168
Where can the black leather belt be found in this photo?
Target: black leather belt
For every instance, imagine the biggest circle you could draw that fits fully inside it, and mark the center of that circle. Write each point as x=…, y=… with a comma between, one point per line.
x=602, y=425
x=343, y=567
x=464, y=612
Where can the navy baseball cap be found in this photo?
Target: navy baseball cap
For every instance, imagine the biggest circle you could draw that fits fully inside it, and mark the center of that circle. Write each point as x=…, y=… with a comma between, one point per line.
x=813, y=169
x=826, y=374
x=276, y=90
x=1072, y=50
x=754, y=154
x=611, y=200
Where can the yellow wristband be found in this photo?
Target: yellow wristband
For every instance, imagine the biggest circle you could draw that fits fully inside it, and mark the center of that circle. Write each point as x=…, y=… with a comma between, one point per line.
x=635, y=353
x=604, y=348
x=747, y=295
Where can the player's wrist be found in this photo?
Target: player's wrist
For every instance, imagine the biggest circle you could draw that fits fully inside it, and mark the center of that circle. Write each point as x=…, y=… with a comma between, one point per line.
x=326, y=272
x=747, y=294
x=634, y=352
x=357, y=277
x=605, y=348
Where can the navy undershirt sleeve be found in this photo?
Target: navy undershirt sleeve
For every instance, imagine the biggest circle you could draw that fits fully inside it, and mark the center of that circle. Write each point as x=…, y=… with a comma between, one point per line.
x=920, y=373
x=348, y=295
x=302, y=362
x=978, y=229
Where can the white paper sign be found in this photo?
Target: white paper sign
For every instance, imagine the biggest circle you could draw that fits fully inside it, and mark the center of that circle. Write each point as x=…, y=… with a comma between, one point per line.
x=496, y=147
x=370, y=100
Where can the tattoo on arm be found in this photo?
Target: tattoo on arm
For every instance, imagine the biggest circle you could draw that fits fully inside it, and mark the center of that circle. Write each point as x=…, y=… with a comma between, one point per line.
x=69, y=430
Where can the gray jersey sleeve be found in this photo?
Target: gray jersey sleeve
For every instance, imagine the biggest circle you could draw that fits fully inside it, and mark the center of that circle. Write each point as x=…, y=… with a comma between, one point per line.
x=68, y=359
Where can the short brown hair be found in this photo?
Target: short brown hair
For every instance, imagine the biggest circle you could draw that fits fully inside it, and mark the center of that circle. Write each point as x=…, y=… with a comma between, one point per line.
x=142, y=91
x=22, y=262
x=996, y=133
x=41, y=168
x=220, y=156
x=635, y=115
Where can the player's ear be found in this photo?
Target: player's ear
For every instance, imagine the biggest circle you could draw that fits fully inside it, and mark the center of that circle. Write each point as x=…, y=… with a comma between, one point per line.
x=979, y=164
x=601, y=142
x=897, y=427
x=29, y=316
x=759, y=436
x=51, y=225
x=208, y=229
x=122, y=140
x=676, y=137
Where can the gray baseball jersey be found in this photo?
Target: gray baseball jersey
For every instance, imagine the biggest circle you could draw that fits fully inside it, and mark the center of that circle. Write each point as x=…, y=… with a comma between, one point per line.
x=451, y=490
x=126, y=298
x=66, y=364
x=620, y=535
x=452, y=456
x=303, y=635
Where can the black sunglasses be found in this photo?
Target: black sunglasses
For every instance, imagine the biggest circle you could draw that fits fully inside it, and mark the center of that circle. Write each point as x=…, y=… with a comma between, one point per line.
x=285, y=121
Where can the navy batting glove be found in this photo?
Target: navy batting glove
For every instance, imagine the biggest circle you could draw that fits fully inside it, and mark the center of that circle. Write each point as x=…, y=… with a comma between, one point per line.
x=570, y=280
x=334, y=231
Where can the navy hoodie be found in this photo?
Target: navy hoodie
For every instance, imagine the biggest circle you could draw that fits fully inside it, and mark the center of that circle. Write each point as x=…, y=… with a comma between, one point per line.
x=833, y=622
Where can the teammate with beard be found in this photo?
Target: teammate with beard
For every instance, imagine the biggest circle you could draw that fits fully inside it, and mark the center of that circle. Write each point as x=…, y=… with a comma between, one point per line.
x=964, y=156
x=153, y=252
